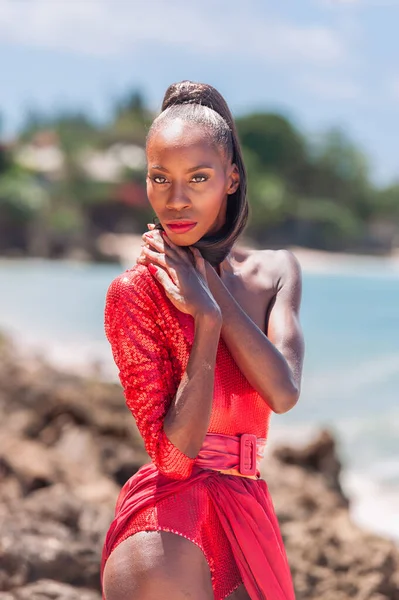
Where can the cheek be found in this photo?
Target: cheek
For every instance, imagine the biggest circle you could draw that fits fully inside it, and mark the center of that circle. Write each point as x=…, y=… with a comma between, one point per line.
x=215, y=196
x=149, y=188
x=151, y=195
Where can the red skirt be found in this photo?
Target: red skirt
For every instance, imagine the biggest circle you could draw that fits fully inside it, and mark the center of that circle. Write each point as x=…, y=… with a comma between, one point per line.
x=245, y=516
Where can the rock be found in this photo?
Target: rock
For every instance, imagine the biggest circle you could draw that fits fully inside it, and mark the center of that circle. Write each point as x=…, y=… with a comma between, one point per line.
x=119, y=460
x=67, y=444
x=330, y=557
x=47, y=589
x=319, y=456
x=38, y=556
x=56, y=503
x=29, y=461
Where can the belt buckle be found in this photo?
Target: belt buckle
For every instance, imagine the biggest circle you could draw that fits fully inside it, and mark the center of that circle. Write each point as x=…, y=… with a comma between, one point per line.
x=248, y=454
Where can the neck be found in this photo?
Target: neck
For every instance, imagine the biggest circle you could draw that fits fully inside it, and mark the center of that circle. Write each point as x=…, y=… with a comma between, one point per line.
x=226, y=265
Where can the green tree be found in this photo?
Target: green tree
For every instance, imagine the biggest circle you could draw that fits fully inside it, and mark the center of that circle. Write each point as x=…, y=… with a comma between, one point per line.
x=338, y=170
x=278, y=146
x=386, y=203
x=131, y=119
x=5, y=161
x=73, y=130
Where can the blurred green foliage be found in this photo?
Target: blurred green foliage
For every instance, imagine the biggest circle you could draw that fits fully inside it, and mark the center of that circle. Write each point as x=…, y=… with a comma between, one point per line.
x=66, y=180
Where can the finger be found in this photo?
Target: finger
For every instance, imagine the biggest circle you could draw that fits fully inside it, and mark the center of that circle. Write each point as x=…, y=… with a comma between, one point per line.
x=152, y=235
x=163, y=261
x=155, y=233
x=151, y=226
x=153, y=241
x=162, y=276
x=142, y=246
x=181, y=252
x=157, y=257
x=157, y=241
x=142, y=260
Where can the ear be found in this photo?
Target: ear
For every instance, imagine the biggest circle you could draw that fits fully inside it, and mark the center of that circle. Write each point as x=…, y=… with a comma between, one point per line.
x=234, y=180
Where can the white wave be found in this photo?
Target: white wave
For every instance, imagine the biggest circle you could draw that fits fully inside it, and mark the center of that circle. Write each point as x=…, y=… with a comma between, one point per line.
x=374, y=501
x=361, y=425
x=351, y=380
x=81, y=356
x=385, y=471
x=373, y=507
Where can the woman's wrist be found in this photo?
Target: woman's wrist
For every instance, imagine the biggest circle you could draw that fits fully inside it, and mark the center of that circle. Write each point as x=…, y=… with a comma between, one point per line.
x=211, y=319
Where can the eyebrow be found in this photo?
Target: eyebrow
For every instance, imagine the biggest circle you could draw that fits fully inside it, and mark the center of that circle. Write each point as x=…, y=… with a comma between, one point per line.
x=160, y=168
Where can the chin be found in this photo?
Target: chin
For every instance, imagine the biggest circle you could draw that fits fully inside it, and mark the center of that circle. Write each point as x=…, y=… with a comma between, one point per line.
x=183, y=240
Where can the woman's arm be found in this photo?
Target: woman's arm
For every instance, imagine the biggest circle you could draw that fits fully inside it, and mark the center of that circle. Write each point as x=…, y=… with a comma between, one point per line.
x=172, y=415
x=187, y=420
x=273, y=364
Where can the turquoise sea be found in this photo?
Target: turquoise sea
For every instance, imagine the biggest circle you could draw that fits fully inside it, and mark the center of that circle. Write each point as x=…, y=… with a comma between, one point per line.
x=350, y=319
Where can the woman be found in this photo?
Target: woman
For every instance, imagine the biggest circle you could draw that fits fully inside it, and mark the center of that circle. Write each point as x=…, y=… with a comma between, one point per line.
x=208, y=343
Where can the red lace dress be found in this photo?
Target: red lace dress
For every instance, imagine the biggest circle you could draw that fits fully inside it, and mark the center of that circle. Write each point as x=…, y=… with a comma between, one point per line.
x=230, y=518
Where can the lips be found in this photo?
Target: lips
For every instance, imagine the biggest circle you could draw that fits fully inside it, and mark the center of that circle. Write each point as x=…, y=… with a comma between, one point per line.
x=180, y=226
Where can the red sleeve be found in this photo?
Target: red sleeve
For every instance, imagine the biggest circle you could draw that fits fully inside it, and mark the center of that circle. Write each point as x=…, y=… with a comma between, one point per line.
x=141, y=353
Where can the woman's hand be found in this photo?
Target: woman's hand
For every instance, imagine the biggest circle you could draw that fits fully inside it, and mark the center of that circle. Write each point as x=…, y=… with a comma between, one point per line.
x=182, y=273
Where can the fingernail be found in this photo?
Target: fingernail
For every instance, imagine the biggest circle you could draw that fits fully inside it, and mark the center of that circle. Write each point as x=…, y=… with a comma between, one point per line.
x=152, y=269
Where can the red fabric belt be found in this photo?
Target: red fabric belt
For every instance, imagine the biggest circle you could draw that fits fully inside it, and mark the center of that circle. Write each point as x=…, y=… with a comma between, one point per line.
x=229, y=452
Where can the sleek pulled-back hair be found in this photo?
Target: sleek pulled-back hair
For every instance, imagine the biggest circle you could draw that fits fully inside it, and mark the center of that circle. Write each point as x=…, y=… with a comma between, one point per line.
x=202, y=104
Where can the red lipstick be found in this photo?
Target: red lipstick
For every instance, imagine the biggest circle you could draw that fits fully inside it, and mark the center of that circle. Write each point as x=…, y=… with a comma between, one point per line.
x=180, y=225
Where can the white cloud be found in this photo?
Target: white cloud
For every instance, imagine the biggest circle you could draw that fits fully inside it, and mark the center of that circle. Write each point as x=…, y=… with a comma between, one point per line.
x=107, y=27
x=287, y=42
x=330, y=87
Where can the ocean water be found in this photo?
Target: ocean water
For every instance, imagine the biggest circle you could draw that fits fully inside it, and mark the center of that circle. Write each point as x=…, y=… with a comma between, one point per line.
x=350, y=318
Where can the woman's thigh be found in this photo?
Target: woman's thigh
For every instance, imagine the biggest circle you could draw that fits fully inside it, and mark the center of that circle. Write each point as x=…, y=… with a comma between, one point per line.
x=154, y=565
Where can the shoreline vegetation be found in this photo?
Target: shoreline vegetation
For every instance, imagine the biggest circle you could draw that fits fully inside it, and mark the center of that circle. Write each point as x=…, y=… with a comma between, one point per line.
x=67, y=446
x=66, y=181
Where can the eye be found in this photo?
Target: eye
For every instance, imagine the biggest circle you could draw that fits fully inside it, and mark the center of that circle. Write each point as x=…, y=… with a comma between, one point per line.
x=199, y=178
x=159, y=179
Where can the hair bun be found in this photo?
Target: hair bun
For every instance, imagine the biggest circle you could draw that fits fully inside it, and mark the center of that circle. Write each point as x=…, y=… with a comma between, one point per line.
x=189, y=92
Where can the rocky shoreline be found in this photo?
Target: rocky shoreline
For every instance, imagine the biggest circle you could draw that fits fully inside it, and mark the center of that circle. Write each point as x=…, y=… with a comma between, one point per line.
x=68, y=443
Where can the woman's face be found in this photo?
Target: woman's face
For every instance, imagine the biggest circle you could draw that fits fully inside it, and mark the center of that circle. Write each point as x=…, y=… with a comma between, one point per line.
x=188, y=181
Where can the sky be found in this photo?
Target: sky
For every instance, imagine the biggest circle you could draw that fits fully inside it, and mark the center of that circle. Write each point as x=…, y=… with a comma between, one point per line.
x=322, y=63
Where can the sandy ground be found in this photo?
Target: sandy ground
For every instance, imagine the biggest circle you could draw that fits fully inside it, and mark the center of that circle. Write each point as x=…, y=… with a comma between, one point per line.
x=318, y=260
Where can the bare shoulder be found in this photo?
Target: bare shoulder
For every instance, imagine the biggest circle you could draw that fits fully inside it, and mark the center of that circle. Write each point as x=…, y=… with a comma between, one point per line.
x=283, y=265
x=273, y=268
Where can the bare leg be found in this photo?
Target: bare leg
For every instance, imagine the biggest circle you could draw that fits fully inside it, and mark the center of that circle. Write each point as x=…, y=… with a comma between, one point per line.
x=157, y=565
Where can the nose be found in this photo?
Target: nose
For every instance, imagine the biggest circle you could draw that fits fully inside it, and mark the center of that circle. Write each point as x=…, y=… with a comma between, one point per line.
x=177, y=199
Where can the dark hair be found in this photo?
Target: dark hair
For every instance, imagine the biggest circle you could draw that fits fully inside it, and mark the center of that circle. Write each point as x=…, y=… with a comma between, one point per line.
x=201, y=103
